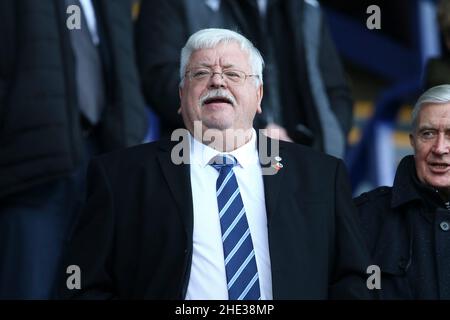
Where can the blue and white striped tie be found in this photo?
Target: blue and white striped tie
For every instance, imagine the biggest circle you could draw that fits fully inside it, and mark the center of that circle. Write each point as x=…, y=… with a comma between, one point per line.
x=240, y=262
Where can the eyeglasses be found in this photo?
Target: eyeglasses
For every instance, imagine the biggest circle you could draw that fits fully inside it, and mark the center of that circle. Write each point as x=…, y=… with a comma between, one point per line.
x=231, y=76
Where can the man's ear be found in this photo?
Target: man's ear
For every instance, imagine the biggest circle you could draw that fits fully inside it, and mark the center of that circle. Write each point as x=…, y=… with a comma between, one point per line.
x=259, y=96
x=180, y=94
x=411, y=141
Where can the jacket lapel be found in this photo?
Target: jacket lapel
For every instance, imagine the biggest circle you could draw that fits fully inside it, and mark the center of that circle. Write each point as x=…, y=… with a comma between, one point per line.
x=271, y=157
x=177, y=177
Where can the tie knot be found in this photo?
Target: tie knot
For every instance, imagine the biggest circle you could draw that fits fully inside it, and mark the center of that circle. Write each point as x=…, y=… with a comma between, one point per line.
x=223, y=161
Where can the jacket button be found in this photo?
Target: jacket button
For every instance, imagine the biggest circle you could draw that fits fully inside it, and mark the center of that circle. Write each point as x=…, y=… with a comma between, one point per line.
x=444, y=226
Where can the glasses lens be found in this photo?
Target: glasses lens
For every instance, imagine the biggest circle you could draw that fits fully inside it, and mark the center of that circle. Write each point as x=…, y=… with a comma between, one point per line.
x=200, y=74
x=203, y=74
x=234, y=76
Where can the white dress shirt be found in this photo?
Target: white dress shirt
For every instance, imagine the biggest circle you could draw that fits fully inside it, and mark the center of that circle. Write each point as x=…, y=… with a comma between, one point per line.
x=207, y=277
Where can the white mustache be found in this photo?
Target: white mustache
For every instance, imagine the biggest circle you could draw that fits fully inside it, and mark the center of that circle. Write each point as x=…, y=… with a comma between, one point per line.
x=217, y=93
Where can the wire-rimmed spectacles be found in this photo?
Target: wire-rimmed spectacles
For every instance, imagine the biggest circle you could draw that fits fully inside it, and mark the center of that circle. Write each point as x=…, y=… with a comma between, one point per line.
x=231, y=75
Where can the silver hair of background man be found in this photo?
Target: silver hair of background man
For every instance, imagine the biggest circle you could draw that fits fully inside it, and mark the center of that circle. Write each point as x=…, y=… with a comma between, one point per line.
x=438, y=94
x=210, y=38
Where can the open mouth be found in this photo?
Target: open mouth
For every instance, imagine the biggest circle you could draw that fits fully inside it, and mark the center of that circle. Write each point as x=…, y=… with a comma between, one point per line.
x=439, y=166
x=217, y=100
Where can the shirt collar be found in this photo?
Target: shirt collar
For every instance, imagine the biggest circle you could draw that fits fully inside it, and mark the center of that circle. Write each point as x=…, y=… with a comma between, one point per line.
x=245, y=155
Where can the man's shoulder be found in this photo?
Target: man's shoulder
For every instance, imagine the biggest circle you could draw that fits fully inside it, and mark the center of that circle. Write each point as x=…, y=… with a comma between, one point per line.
x=308, y=154
x=380, y=195
x=374, y=206
x=145, y=153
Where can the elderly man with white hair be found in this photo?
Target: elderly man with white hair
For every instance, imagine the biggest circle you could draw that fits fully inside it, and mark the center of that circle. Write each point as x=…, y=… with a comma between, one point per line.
x=408, y=225
x=214, y=218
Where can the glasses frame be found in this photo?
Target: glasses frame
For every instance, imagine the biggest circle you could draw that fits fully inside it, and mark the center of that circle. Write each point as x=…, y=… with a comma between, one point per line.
x=188, y=74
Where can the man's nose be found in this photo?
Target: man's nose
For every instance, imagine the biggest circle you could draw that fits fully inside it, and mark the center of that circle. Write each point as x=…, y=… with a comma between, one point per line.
x=217, y=80
x=441, y=145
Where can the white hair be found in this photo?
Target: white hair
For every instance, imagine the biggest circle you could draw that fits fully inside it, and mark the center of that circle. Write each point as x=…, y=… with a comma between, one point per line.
x=210, y=38
x=437, y=95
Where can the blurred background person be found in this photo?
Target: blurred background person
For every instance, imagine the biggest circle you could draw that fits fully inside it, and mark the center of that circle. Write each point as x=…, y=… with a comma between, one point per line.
x=438, y=69
x=306, y=99
x=65, y=95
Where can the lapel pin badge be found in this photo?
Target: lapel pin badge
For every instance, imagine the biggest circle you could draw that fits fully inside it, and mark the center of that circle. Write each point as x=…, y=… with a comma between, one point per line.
x=277, y=166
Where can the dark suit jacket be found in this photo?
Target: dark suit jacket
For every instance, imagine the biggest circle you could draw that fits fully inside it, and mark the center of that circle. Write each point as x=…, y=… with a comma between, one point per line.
x=406, y=230
x=134, y=238
x=40, y=134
